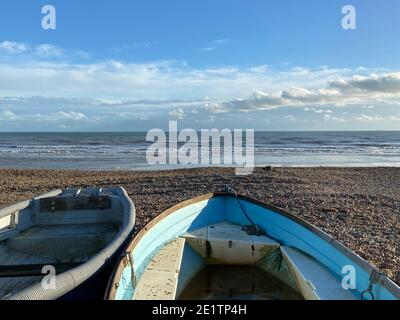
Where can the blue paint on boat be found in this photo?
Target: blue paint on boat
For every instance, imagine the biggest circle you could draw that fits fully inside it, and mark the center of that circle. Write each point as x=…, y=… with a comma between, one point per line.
x=289, y=230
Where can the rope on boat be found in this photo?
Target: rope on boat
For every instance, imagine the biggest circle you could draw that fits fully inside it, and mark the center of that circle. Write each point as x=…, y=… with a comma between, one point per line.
x=373, y=279
x=228, y=189
x=253, y=228
x=131, y=264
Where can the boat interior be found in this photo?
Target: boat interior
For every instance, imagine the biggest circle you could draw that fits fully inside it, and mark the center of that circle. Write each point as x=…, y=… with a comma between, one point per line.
x=64, y=229
x=210, y=248
x=171, y=271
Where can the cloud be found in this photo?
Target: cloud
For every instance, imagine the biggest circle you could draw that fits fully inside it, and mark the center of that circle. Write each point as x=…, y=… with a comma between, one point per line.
x=215, y=108
x=377, y=118
x=381, y=83
x=338, y=119
x=21, y=51
x=47, y=69
x=318, y=111
x=48, y=50
x=383, y=88
x=177, y=113
x=367, y=118
x=115, y=80
x=394, y=118
x=71, y=115
x=7, y=115
x=135, y=45
x=56, y=116
x=216, y=44
x=290, y=117
x=12, y=47
x=259, y=69
x=47, y=82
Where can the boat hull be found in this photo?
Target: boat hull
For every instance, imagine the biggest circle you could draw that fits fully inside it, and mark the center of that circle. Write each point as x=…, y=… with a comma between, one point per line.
x=95, y=286
x=63, y=244
x=317, y=250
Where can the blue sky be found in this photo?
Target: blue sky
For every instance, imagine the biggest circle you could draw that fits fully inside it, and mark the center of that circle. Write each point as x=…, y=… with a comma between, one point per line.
x=268, y=65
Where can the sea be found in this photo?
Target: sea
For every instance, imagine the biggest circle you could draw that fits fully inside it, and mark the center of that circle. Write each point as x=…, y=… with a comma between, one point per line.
x=127, y=150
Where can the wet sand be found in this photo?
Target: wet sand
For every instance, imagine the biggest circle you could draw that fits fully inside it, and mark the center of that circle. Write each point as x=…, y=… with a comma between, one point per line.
x=360, y=207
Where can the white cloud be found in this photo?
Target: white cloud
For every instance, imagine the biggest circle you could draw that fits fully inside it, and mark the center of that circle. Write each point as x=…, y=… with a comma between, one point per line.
x=259, y=69
x=216, y=44
x=48, y=50
x=57, y=116
x=20, y=52
x=384, y=88
x=338, y=119
x=318, y=111
x=177, y=113
x=114, y=80
x=39, y=75
x=381, y=83
x=135, y=45
x=42, y=86
x=368, y=118
x=7, y=115
x=377, y=118
x=215, y=107
x=12, y=47
x=289, y=117
x=71, y=115
x=394, y=118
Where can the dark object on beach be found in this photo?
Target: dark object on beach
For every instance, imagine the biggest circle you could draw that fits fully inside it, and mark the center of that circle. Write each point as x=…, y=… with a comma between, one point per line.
x=329, y=209
x=76, y=234
x=210, y=230
x=267, y=168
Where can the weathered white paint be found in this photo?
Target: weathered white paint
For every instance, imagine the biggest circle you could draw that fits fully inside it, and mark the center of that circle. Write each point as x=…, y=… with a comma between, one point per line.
x=160, y=279
x=315, y=281
x=227, y=243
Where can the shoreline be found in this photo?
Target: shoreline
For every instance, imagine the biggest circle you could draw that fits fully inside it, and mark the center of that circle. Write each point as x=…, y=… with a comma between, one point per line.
x=152, y=168
x=358, y=206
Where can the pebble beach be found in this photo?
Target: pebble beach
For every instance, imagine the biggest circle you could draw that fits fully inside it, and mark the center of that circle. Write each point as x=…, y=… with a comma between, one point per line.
x=359, y=207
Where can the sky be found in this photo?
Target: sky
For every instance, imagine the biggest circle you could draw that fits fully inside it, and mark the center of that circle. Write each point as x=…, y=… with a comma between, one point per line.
x=262, y=64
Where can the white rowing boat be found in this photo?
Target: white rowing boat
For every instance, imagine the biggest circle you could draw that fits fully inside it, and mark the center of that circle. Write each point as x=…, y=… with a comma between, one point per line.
x=75, y=234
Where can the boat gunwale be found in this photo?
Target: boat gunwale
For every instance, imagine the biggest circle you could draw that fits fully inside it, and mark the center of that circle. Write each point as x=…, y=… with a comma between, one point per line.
x=385, y=281
x=24, y=204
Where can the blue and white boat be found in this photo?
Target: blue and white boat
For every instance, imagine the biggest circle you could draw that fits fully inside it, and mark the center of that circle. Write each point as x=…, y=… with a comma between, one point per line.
x=227, y=246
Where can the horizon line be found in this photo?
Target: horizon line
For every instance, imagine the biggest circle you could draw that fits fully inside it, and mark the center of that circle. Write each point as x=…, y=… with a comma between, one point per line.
x=197, y=130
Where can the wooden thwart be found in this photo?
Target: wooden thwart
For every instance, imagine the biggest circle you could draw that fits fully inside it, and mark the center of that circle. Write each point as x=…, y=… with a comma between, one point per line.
x=228, y=243
x=75, y=203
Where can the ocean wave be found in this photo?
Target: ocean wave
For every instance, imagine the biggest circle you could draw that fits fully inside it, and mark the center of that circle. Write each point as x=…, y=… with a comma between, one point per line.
x=128, y=150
